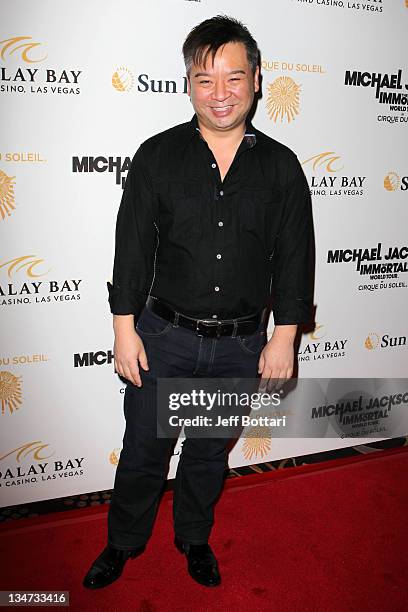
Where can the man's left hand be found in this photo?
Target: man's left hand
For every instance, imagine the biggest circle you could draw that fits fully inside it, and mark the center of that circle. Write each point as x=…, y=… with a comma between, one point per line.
x=276, y=359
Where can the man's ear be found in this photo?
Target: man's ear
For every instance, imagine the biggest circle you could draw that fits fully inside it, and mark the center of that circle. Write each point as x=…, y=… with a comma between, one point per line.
x=188, y=86
x=256, y=79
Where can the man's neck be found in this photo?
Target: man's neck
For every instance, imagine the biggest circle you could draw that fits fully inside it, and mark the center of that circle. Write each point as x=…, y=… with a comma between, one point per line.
x=229, y=139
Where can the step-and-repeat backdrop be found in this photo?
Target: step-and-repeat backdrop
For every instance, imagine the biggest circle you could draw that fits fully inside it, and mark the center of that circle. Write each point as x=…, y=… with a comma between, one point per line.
x=82, y=84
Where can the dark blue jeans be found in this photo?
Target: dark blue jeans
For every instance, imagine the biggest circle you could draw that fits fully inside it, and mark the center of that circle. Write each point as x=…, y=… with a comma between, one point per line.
x=173, y=351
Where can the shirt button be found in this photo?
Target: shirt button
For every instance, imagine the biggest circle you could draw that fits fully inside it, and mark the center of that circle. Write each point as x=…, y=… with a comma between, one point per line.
x=214, y=316
x=220, y=223
x=216, y=288
x=221, y=193
x=218, y=255
x=213, y=165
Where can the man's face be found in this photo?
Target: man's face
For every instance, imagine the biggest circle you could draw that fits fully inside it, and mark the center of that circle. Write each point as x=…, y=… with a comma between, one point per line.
x=222, y=94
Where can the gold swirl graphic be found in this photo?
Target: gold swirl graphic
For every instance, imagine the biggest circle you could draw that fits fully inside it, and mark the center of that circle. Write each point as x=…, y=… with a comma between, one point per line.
x=12, y=45
x=26, y=261
x=328, y=158
x=33, y=448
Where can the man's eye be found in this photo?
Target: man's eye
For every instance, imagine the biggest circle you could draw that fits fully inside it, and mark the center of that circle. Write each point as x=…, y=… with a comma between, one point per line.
x=235, y=79
x=204, y=82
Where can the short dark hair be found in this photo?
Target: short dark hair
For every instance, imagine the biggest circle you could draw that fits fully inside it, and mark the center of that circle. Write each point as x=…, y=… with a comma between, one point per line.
x=209, y=35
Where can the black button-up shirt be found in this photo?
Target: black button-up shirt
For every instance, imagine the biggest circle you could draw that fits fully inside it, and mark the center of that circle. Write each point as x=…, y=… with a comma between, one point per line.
x=211, y=248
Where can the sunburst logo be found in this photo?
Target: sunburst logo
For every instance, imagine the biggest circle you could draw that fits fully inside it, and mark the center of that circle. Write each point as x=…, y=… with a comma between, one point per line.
x=283, y=99
x=7, y=200
x=392, y=181
x=122, y=79
x=31, y=448
x=10, y=392
x=372, y=341
x=114, y=456
x=327, y=159
x=23, y=44
x=257, y=442
x=29, y=262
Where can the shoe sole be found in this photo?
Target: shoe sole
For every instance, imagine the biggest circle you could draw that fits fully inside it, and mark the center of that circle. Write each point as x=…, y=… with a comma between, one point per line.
x=101, y=586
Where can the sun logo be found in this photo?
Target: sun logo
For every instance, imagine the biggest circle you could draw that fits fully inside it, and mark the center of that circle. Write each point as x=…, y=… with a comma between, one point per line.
x=257, y=442
x=283, y=99
x=122, y=79
x=11, y=45
x=26, y=261
x=328, y=158
x=7, y=200
x=392, y=181
x=114, y=456
x=372, y=341
x=10, y=392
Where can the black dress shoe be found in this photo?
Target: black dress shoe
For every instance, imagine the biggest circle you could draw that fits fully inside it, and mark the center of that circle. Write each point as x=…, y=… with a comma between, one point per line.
x=202, y=564
x=108, y=566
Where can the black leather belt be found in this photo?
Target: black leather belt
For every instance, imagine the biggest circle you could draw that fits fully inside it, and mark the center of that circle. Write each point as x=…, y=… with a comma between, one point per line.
x=207, y=327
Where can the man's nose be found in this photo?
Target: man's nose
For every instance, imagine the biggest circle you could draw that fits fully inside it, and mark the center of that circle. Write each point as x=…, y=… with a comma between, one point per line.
x=221, y=91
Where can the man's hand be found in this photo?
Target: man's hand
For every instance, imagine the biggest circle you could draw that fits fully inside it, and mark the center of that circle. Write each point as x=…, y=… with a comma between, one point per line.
x=276, y=360
x=128, y=349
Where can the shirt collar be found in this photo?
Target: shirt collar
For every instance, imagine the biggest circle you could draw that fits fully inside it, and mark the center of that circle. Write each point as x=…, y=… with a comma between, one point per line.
x=249, y=136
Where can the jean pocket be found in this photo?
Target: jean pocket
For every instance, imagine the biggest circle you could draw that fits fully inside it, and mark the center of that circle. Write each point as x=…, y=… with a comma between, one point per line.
x=151, y=325
x=252, y=343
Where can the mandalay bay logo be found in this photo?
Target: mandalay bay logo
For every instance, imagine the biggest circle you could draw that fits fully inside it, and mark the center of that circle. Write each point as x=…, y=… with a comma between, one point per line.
x=30, y=464
x=10, y=392
x=317, y=345
x=34, y=291
x=20, y=74
x=283, y=99
x=369, y=6
x=25, y=46
x=326, y=180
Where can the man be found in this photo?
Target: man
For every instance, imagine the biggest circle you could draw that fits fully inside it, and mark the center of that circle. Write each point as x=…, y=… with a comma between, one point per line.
x=212, y=211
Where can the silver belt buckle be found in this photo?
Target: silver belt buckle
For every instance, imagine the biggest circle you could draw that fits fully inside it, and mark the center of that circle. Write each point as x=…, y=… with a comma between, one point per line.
x=210, y=323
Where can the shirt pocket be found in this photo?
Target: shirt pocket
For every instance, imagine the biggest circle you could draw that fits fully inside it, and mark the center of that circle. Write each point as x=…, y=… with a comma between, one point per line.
x=180, y=208
x=260, y=211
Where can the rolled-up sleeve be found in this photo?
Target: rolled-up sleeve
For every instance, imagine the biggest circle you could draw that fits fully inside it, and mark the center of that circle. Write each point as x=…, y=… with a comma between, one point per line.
x=135, y=242
x=293, y=262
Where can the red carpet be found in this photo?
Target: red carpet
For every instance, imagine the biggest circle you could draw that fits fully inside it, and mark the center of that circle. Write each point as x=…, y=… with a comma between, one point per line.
x=329, y=537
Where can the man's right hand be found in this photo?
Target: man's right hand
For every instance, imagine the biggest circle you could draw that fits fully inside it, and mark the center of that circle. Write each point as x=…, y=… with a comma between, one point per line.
x=128, y=349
